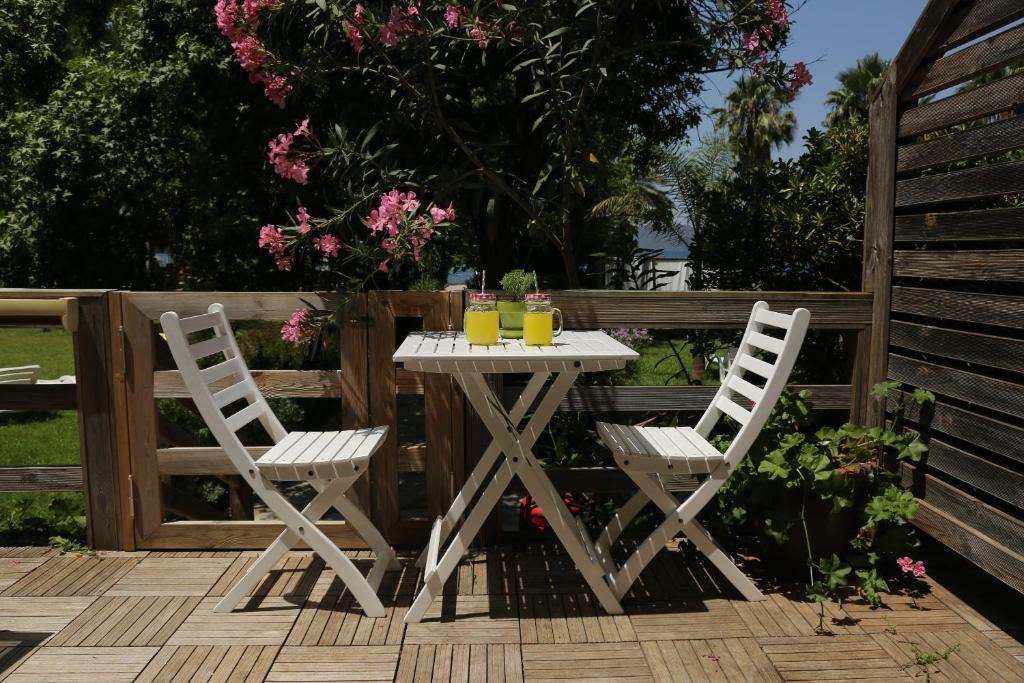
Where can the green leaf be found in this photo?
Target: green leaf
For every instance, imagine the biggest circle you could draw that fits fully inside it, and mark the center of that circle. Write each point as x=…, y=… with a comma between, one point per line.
x=883, y=389
x=775, y=466
x=923, y=396
x=557, y=32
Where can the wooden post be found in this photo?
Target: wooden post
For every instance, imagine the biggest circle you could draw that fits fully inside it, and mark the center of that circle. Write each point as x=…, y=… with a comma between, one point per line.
x=355, y=402
x=383, y=410
x=101, y=474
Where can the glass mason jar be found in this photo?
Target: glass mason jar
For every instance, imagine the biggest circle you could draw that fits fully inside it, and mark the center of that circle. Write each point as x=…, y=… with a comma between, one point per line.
x=538, y=320
x=481, y=319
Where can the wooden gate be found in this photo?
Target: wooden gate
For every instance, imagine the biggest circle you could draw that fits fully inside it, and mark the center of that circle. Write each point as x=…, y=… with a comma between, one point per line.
x=367, y=384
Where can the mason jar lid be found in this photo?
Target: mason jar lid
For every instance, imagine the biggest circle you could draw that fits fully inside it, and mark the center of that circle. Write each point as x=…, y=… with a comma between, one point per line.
x=483, y=297
x=539, y=297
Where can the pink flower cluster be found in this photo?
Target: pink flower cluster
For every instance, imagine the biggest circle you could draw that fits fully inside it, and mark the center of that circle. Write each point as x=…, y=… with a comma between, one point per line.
x=405, y=232
x=328, y=244
x=298, y=329
x=355, y=36
x=238, y=25
x=481, y=32
x=910, y=567
x=454, y=16
x=799, y=77
x=400, y=24
x=273, y=240
x=289, y=163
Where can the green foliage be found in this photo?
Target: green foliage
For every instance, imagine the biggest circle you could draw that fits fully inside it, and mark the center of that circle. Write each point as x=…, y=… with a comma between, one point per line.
x=516, y=283
x=27, y=519
x=857, y=85
x=756, y=117
x=794, y=469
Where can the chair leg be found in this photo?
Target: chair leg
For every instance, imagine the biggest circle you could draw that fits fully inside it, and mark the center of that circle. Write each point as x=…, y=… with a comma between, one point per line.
x=386, y=560
x=710, y=548
x=620, y=521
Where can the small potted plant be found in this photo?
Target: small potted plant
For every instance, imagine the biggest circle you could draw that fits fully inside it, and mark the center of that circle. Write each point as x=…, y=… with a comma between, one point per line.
x=516, y=284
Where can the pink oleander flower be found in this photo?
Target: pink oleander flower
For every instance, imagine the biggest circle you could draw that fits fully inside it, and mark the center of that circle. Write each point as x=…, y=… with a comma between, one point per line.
x=453, y=16
x=272, y=239
x=251, y=53
x=298, y=328
x=449, y=213
x=355, y=37
x=276, y=88
x=283, y=263
x=780, y=15
x=359, y=15
x=910, y=567
x=252, y=8
x=752, y=40
x=303, y=225
x=383, y=267
x=800, y=77
x=400, y=24
x=438, y=214
x=328, y=244
x=479, y=33
x=287, y=162
x=228, y=19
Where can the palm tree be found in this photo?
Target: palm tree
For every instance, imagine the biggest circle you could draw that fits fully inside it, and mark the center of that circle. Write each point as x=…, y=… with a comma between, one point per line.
x=756, y=118
x=856, y=87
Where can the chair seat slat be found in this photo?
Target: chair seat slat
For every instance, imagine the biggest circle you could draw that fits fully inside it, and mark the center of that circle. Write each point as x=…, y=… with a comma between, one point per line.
x=196, y=323
x=733, y=409
x=774, y=318
x=755, y=365
x=742, y=386
x=209, y=347
x=766, y=343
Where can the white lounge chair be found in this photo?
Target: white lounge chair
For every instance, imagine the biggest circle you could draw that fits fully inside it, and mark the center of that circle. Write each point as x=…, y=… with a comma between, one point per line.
x=330, y=461
x=23, y=374
x=653, y=456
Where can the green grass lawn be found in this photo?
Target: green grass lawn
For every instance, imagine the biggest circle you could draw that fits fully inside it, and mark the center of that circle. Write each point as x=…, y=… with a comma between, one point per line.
x=661, y=364
x=38, y=439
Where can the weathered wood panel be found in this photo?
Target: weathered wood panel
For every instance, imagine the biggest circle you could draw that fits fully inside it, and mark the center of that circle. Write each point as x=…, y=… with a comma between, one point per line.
x=976, y=513
x=1005, y=265
x=610, y=399
x=970, y=307
x=383, y=411
x=988, y=55
x=590, y=309
x=237, y=305
x=997, y=481
x=996, y=394
x=981, y=17
x=982, y=224
x=973, y=143
x=37, y=478
x=355, y=382
x=972, y=183
x=1002, y=95
x=980, y=349
x=38, y=397
x=274, y=383
x=228, y=535
x=984, y=432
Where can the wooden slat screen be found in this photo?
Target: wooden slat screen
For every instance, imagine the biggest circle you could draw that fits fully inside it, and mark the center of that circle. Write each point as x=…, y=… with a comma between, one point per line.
x=956, y=228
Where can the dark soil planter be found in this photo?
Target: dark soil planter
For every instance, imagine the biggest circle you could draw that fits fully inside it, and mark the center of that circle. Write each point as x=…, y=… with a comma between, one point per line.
x=511, y=315
x=830, y=532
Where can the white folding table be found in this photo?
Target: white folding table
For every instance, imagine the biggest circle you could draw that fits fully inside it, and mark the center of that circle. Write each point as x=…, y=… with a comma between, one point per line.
x=510, y=454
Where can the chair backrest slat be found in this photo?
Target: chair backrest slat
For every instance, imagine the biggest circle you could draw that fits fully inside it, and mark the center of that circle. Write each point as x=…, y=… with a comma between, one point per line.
x=773, y=369
x=198, y=381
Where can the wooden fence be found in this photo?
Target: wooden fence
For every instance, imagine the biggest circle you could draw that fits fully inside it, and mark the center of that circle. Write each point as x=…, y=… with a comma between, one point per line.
x=945, y=259
x=138, y=505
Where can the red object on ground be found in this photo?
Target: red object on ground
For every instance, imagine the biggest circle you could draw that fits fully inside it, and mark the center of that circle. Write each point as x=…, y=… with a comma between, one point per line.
x=531, y=516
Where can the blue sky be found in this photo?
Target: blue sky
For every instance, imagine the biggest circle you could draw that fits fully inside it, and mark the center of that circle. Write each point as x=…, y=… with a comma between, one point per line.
x=832, y=34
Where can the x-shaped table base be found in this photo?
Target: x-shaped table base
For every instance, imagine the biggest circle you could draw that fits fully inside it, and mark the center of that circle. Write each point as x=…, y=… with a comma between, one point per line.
x=510, y=455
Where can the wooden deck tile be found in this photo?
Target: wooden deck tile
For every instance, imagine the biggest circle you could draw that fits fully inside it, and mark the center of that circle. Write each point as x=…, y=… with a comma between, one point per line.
x=977, y=658
x=127, y=621
x=571, y=618
x=467, y=619
x=26, y=551
x=1012, y=646
x=69, y=575
x=330, y=618
x=10, y=657
x=13, y=568
x=261, y=621
x=685, y=618
x=461, y=663
x=58, y=664
x=732, y=659
x=904, y=615
x=831, y=658
x=586, y=663
x=364, y=663
x=29, y=621
x=209, y=663
x=171, y=576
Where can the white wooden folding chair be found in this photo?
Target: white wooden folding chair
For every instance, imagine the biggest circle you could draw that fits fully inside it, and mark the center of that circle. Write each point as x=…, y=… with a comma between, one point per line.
x=656, y=457
x=329, y=461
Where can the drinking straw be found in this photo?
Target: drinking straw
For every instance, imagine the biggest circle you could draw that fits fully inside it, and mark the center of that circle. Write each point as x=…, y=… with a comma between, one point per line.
x=536, y=286
x=483, y=281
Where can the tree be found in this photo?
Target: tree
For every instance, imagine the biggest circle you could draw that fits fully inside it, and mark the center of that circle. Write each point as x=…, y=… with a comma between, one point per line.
x=756, y=118
x=516, y=114
x=857, y=85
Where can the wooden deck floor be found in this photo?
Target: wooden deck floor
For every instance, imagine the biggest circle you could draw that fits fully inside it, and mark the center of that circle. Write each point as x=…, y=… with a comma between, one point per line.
x=512, y=614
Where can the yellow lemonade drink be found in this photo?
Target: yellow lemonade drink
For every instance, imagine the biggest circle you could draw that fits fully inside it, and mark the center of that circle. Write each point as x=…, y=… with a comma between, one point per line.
x=538, y=328
x=482, y=327
x=481, y=319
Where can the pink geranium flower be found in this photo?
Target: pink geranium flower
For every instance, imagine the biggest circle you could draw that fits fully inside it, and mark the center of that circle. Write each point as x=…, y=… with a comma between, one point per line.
x=910, y=567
